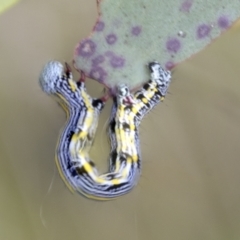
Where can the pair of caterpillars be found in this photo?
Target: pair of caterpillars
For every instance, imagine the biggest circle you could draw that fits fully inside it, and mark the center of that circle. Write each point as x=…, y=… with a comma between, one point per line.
x=72, y=153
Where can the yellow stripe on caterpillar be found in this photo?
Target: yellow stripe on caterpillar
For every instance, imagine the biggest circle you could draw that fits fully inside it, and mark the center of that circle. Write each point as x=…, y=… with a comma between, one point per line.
x=72, y=85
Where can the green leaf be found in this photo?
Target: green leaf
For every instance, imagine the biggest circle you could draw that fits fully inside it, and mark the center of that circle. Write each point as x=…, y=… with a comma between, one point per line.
x=131, y=33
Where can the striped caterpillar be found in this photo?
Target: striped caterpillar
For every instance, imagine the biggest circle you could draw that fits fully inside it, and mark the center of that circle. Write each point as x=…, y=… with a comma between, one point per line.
x=72, y=153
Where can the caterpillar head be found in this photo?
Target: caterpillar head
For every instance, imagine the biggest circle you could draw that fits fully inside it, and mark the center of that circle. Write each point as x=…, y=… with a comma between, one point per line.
x=122, y=90
x=124, y=95
x=51, y=73
x=158, y=74
x=154, y=67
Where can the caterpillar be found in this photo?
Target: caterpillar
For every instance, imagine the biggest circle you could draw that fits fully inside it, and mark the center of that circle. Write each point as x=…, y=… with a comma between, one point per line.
x=72, y=153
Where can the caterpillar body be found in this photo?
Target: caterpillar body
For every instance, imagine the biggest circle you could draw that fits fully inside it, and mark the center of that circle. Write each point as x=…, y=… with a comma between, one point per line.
x=72, y=153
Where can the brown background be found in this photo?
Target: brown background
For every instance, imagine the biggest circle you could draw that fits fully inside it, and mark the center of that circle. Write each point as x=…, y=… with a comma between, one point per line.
x=189, y=188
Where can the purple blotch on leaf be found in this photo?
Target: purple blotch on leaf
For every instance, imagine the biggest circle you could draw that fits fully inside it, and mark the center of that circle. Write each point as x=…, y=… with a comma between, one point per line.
x=98, y=73
x=99, y=26
x=115, y=61
x=173, y=45
x=186, y=5
x=203, y=31
x=111, y=39
x=86, y=48
x=136, y=30
x=223, y=22
x=169, y=65
x=97, y=60
x=109, y=54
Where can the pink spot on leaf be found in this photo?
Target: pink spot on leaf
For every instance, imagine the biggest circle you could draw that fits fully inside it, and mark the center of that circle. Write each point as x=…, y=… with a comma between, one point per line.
x=136, y=30
x=173, y=45
x=109, y=53
x=169, y=65
x=97, y=60
x=115, y=61
x=203, y=31
x=98, y=73
x=186, y=5
x=99, y=26
x=111, y=39
x=223, y=22
x=86, y=48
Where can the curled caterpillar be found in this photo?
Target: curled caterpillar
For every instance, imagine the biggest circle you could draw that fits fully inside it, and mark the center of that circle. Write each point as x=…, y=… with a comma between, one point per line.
x=72, y=153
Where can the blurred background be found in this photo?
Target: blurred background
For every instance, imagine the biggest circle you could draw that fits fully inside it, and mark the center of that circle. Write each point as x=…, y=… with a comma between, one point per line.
x=189, y=188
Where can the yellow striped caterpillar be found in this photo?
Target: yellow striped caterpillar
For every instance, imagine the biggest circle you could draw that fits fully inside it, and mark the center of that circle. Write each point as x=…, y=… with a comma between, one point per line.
x=72, y=153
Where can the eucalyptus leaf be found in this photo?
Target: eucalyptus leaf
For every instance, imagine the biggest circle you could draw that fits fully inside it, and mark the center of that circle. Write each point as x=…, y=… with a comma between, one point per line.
x=130, y=33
